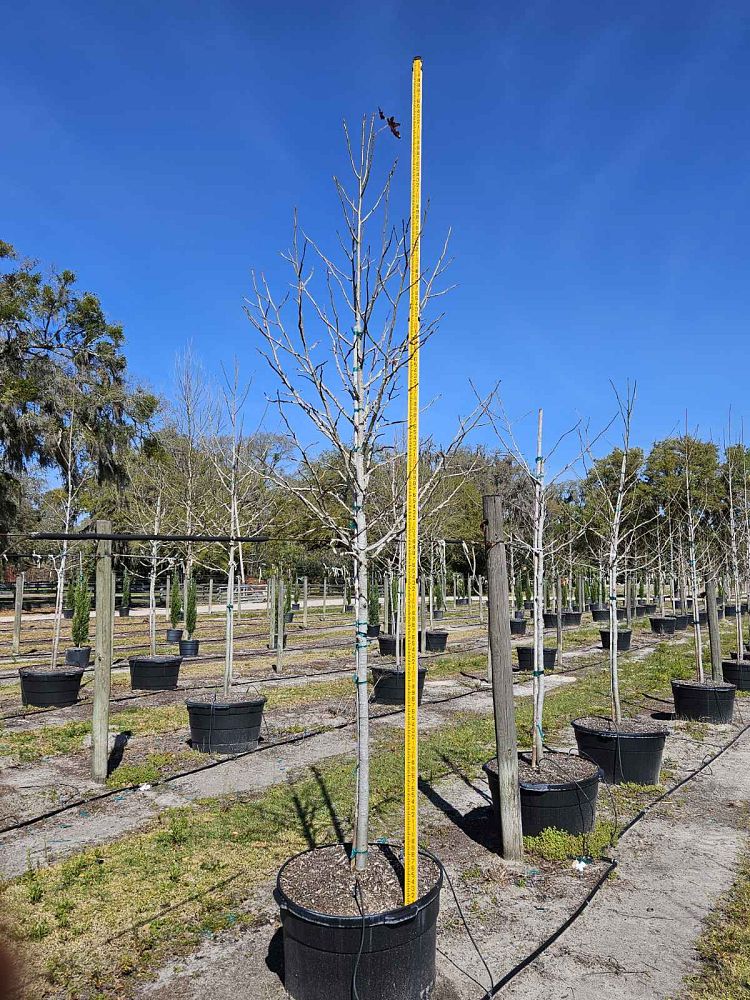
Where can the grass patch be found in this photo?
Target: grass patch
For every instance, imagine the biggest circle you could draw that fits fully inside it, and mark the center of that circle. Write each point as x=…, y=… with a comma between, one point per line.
x=554, y=845
x=724, y=946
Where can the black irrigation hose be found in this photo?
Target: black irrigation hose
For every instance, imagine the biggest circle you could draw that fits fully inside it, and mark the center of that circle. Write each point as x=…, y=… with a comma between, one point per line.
x=611, y=865
x=297, y=738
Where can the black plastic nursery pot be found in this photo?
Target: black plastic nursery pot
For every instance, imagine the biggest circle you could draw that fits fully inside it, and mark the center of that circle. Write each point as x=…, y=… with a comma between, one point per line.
x=518, y=626
x=124, y=611
x=708, y=702
x=550, y=619
x=730, y=610
x=526, y=658
x=78, y=656
x=438, y=615
x=681, y=622
x=67, y=612
x=288, y=617
x=154, y=673
x=624, y=757
x=383, y=956
x=528, y=605
x=571, y=618
x=389, y=685
x=600, y=614
x=569, y=806
x=373, y=631
x=462, y=602
x=436, y=640
x=295, y=605
x=519, y=615
x=624, y=635
x=662, y=626
x=189, y=647
x=225, y=726
x=50, y=688
x=174, y=634
x=640, y=611
x=737, y=672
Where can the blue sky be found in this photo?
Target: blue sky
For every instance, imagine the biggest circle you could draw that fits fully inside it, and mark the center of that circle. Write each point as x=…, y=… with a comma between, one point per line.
x=591, y=160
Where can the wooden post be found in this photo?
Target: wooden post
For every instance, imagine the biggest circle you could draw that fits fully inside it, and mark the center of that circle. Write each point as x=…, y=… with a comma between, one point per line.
x=279, y=624
x=304, y=602
x=481, y=598
x=210, y=594
x=325, y=594
x=502, y=681
x=17, y=614
x=271, y=608
x=432, y=603
x=581, y=596
x=713, y=631
x=105, y=598
x=168, y=591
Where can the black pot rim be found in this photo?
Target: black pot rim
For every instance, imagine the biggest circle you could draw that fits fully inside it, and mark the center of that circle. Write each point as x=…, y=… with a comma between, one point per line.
x=158, y=660
x=707, y=685
x=620, y=631
x=46, y=672
x=398, y=916
x=392, y=670
x=71, y=648
x=209, y=705
x=657, y=732
x=556, y=786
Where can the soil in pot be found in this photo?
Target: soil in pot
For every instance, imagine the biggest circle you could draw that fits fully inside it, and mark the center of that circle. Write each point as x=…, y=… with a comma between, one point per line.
x=174, y=634
x=336, y=942
x=154, y=673
x=389, y=687
x=706, y=702
x=662, y=626
x=518, y=626
x=50, y=688
x=737, y=673
x=561, y=793
x=624, y=635
x=189, y=647
x=78, y=656
x=630, y=752
x=229, y=725
x=526, y=658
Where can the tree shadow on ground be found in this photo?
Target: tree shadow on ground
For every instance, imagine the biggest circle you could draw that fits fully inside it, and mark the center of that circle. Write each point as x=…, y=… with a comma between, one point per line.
x=118, y=750
x=478, y=823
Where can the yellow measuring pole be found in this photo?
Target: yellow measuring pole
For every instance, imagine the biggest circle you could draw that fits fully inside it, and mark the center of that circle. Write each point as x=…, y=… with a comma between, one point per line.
x=411, y=625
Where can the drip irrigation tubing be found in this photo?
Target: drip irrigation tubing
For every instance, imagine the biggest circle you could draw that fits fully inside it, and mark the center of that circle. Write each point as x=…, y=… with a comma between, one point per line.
x=611, y=865
x=297, y=738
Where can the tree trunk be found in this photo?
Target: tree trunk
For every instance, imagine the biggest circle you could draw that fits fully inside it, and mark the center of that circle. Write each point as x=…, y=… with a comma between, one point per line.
x=105, y=606
x=712, y=615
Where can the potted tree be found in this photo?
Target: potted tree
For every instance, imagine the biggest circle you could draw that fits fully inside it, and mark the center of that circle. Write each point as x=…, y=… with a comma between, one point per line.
x=295, y=596
x=340, y=381
x=627, y=750
x=557, y=790
x=80, y=652
x=59, y=686
x=189, y=646
x=438, y=596
x=174, y=634
x=701, y=699
x=125, y=600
